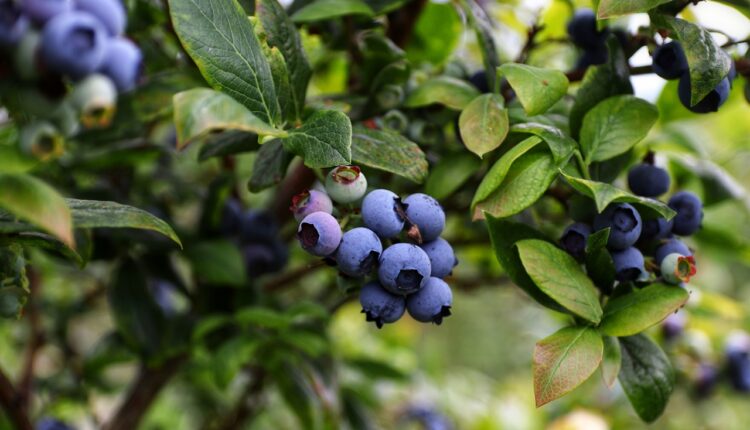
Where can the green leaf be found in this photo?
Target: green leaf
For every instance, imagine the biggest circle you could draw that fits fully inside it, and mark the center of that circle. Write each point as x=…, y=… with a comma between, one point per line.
x=294, y=388
x=218, y=262
x=537, y=89
x=613, y=8
x=46, y=242
x=556, y=273
x=635, y=312
x=482, y=24
x=262, y=317
x=646, y=376
x=283, y=35
x=228, y=142
x=229, y=358
x=428, y=45
x=561, y=145
x=600, y=83
x=324, y=140
x=389, y=151
x=604, y=194
x=201, y=111
x=484, y=123
x=525, y=182
x=599, y=264
x=564, y=361
x=97, y=214
x=496, y=175
x=504, y=234
x=450, y=173
x=270, y=166
x=14, y=283
x=221, y=41
x=377, y=370
x=282, y=83
x=320, y=10
x=450, y=92
x=708, y=63
x=32, y=200
x=615, y=125
x=611, y=361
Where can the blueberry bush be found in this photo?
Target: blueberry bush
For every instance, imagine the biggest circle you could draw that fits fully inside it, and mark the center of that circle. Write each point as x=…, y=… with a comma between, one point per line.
x=208, y=208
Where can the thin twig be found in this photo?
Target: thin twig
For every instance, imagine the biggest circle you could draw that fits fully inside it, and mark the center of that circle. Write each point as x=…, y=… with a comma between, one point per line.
x=11, y=403
x=37, y=339
x=287, y=279
x=247, y=405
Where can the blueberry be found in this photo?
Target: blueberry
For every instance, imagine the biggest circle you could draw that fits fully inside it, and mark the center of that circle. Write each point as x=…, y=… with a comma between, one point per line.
x=732, y=74
x=648, y=180
x=677, y=268
x=706, y=378
x=52, y=424
x=346, y=184
x=479, y=80
x=319, y=234
x=110, y=12
x=382, y=213
x=425, y=212
x=442, y=258
x=670, y=247
x=95, y=97
x=593, y=56
x=13, y=23
x=428, y=418
x=73, y=44
x=432, y=303
x=669, y=61
x=574, y=239
x=263, y=258
x=673, y=326
x=710, y=103
x=655, y=229
x=404, y=268
x=379, y=305
x=41, y=140
x=122, y=63
x=231, y=218
x=258, y=227
x=582, y=29
x=624, y=223
x=358, y=252
x=628, y=264
x=25, y=57
x=738, y=361
x=164, y=294
x=689, y=213
x=41, y=11
x=307, y=202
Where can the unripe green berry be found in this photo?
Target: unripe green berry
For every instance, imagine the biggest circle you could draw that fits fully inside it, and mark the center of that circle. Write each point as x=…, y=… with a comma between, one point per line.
x=395, y=120
x=390, y=96
x=677, y=268
x=346, y=184
x=41, y=140
x=26, y=62
x=95, y=98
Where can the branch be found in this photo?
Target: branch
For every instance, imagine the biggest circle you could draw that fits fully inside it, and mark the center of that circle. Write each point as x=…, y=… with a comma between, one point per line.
x=143, y=392
x=284, y=280
x=35, y=343
x=401, y=23
x=247, y=405
x=11, y=402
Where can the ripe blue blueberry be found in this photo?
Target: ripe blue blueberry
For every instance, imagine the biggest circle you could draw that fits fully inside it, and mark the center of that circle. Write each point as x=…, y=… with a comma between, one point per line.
x=479, y=80
x=442, y=258
x=628, y=264
x=624, y=223
x=593, y=56
x=262, y=258
x=319, y=234
x=674, y=325
x=41, y=11
x=164, y=294
x=122, y=63
x=582, y=29
x=258, y=227
x=432, y=303
x=655, y=229
x=574, y=238
x=73, y=44
x=52, y=424
x=307, y=202
x=677, y=268
x=648, y=180
x=110, y=12
x=670, y=247
x=379, y=305
x=13, y=23
x=231, y=218
x=705, y=379
x=404, y=268
x=382, y=213
x=710, y=103
x=346, y=184
x=358, y=252
x=689, y=213
x=738, y=361
x=425, y=212
x=669, y=61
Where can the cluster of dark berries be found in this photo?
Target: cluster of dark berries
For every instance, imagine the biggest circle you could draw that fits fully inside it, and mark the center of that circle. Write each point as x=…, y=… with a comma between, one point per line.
x=48, y=43
x=410, y=274
x=52, y=424
x=584, y=33
x=630, y=235
x=670, y=62
x=257, y=235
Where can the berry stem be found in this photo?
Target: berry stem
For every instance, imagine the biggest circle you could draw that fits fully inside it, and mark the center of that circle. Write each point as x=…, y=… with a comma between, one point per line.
x=582, y=165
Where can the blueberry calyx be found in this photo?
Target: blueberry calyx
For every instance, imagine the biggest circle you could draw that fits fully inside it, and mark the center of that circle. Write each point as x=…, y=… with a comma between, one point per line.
x=408, y=280
x=308, y=235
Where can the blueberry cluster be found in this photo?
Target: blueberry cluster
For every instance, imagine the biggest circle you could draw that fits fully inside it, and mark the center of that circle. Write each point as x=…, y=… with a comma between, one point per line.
x=631, y=235
x=51, y=42
x=257, y=235
x=669, y=62
x=583, y=32
x=409, y=274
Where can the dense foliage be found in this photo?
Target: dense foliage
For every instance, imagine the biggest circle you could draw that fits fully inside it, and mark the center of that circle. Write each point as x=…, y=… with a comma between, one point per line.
x=195, y=195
